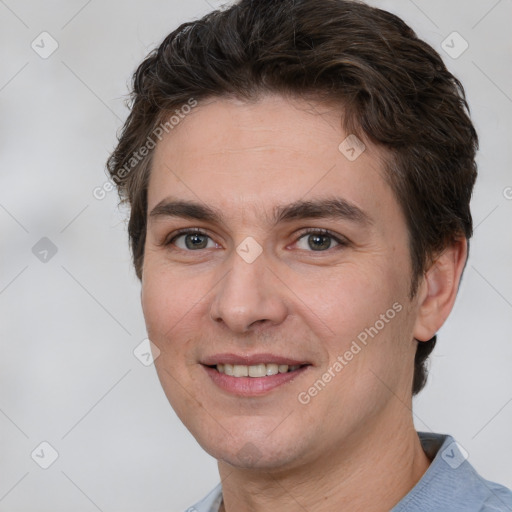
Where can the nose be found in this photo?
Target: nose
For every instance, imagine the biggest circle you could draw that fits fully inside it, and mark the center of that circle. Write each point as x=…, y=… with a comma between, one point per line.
x=250, y=295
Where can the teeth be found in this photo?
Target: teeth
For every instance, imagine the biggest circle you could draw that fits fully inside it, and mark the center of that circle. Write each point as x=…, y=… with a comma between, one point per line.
x=258, y=370
x=255, y=370
x=240, y=371
x=272, y=369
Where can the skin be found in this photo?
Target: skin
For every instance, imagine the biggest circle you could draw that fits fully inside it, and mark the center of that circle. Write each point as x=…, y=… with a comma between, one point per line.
x=354, y=444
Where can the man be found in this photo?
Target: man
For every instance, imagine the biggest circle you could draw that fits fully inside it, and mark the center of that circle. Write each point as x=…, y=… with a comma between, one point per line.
x=299, y=176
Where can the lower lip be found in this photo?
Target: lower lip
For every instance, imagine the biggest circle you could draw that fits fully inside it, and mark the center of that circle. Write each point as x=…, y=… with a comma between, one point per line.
x=252, y=386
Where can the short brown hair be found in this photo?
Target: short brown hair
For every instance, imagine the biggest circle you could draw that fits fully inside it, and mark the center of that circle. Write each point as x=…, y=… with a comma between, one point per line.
x=393, y=89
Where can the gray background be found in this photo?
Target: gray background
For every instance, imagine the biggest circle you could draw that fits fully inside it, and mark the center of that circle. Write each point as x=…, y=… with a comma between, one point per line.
x=69, y=325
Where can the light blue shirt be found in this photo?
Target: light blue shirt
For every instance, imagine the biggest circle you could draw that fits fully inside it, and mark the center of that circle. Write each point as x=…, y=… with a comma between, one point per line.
x=450, y=484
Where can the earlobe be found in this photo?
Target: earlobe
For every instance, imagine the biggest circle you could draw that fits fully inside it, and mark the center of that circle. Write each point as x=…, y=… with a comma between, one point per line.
x=439, y=289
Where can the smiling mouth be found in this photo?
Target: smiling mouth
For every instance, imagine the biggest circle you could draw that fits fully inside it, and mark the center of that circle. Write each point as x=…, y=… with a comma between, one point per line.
x=256, y=370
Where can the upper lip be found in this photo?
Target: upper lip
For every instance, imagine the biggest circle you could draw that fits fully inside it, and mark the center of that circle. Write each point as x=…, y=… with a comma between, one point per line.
x=248, y=360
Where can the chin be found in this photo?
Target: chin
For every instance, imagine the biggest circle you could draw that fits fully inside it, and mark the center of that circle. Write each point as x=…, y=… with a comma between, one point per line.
x=251, y=456
x=251, y=449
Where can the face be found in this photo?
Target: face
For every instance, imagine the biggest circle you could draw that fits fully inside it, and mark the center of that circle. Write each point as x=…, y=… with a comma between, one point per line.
x=266, y=246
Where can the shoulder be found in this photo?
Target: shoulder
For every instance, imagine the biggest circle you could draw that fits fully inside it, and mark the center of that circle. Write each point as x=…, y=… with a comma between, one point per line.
x=498, y=497
x=451, y=483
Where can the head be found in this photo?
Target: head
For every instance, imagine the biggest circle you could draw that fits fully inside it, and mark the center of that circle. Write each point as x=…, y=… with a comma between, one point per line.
x=244, y=114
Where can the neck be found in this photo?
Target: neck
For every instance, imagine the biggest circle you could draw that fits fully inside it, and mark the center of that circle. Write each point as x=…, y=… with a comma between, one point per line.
x=371, y=470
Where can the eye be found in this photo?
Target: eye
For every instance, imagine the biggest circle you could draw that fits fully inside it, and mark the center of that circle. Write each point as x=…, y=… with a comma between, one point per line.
x=319, y=240
x=191, y=240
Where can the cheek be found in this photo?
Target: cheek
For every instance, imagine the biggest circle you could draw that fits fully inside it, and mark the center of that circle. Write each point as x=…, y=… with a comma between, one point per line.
x=164, y=286
x=175, y=308
x=166, y=301
x=352, y=296
x=169, y=306
x=364, y=309
x=155, y=306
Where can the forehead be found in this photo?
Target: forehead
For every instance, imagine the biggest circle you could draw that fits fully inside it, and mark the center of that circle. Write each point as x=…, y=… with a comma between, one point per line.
x=252, y=156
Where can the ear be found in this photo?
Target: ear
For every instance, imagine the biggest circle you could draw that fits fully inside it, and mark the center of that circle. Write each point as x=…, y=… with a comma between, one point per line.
x=438, y=290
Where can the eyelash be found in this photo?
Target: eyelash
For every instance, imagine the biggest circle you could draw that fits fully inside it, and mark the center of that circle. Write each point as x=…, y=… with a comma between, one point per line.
x=342, y=242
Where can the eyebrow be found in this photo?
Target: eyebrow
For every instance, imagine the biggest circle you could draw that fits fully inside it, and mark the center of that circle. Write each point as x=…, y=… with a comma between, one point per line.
x=335, y=208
